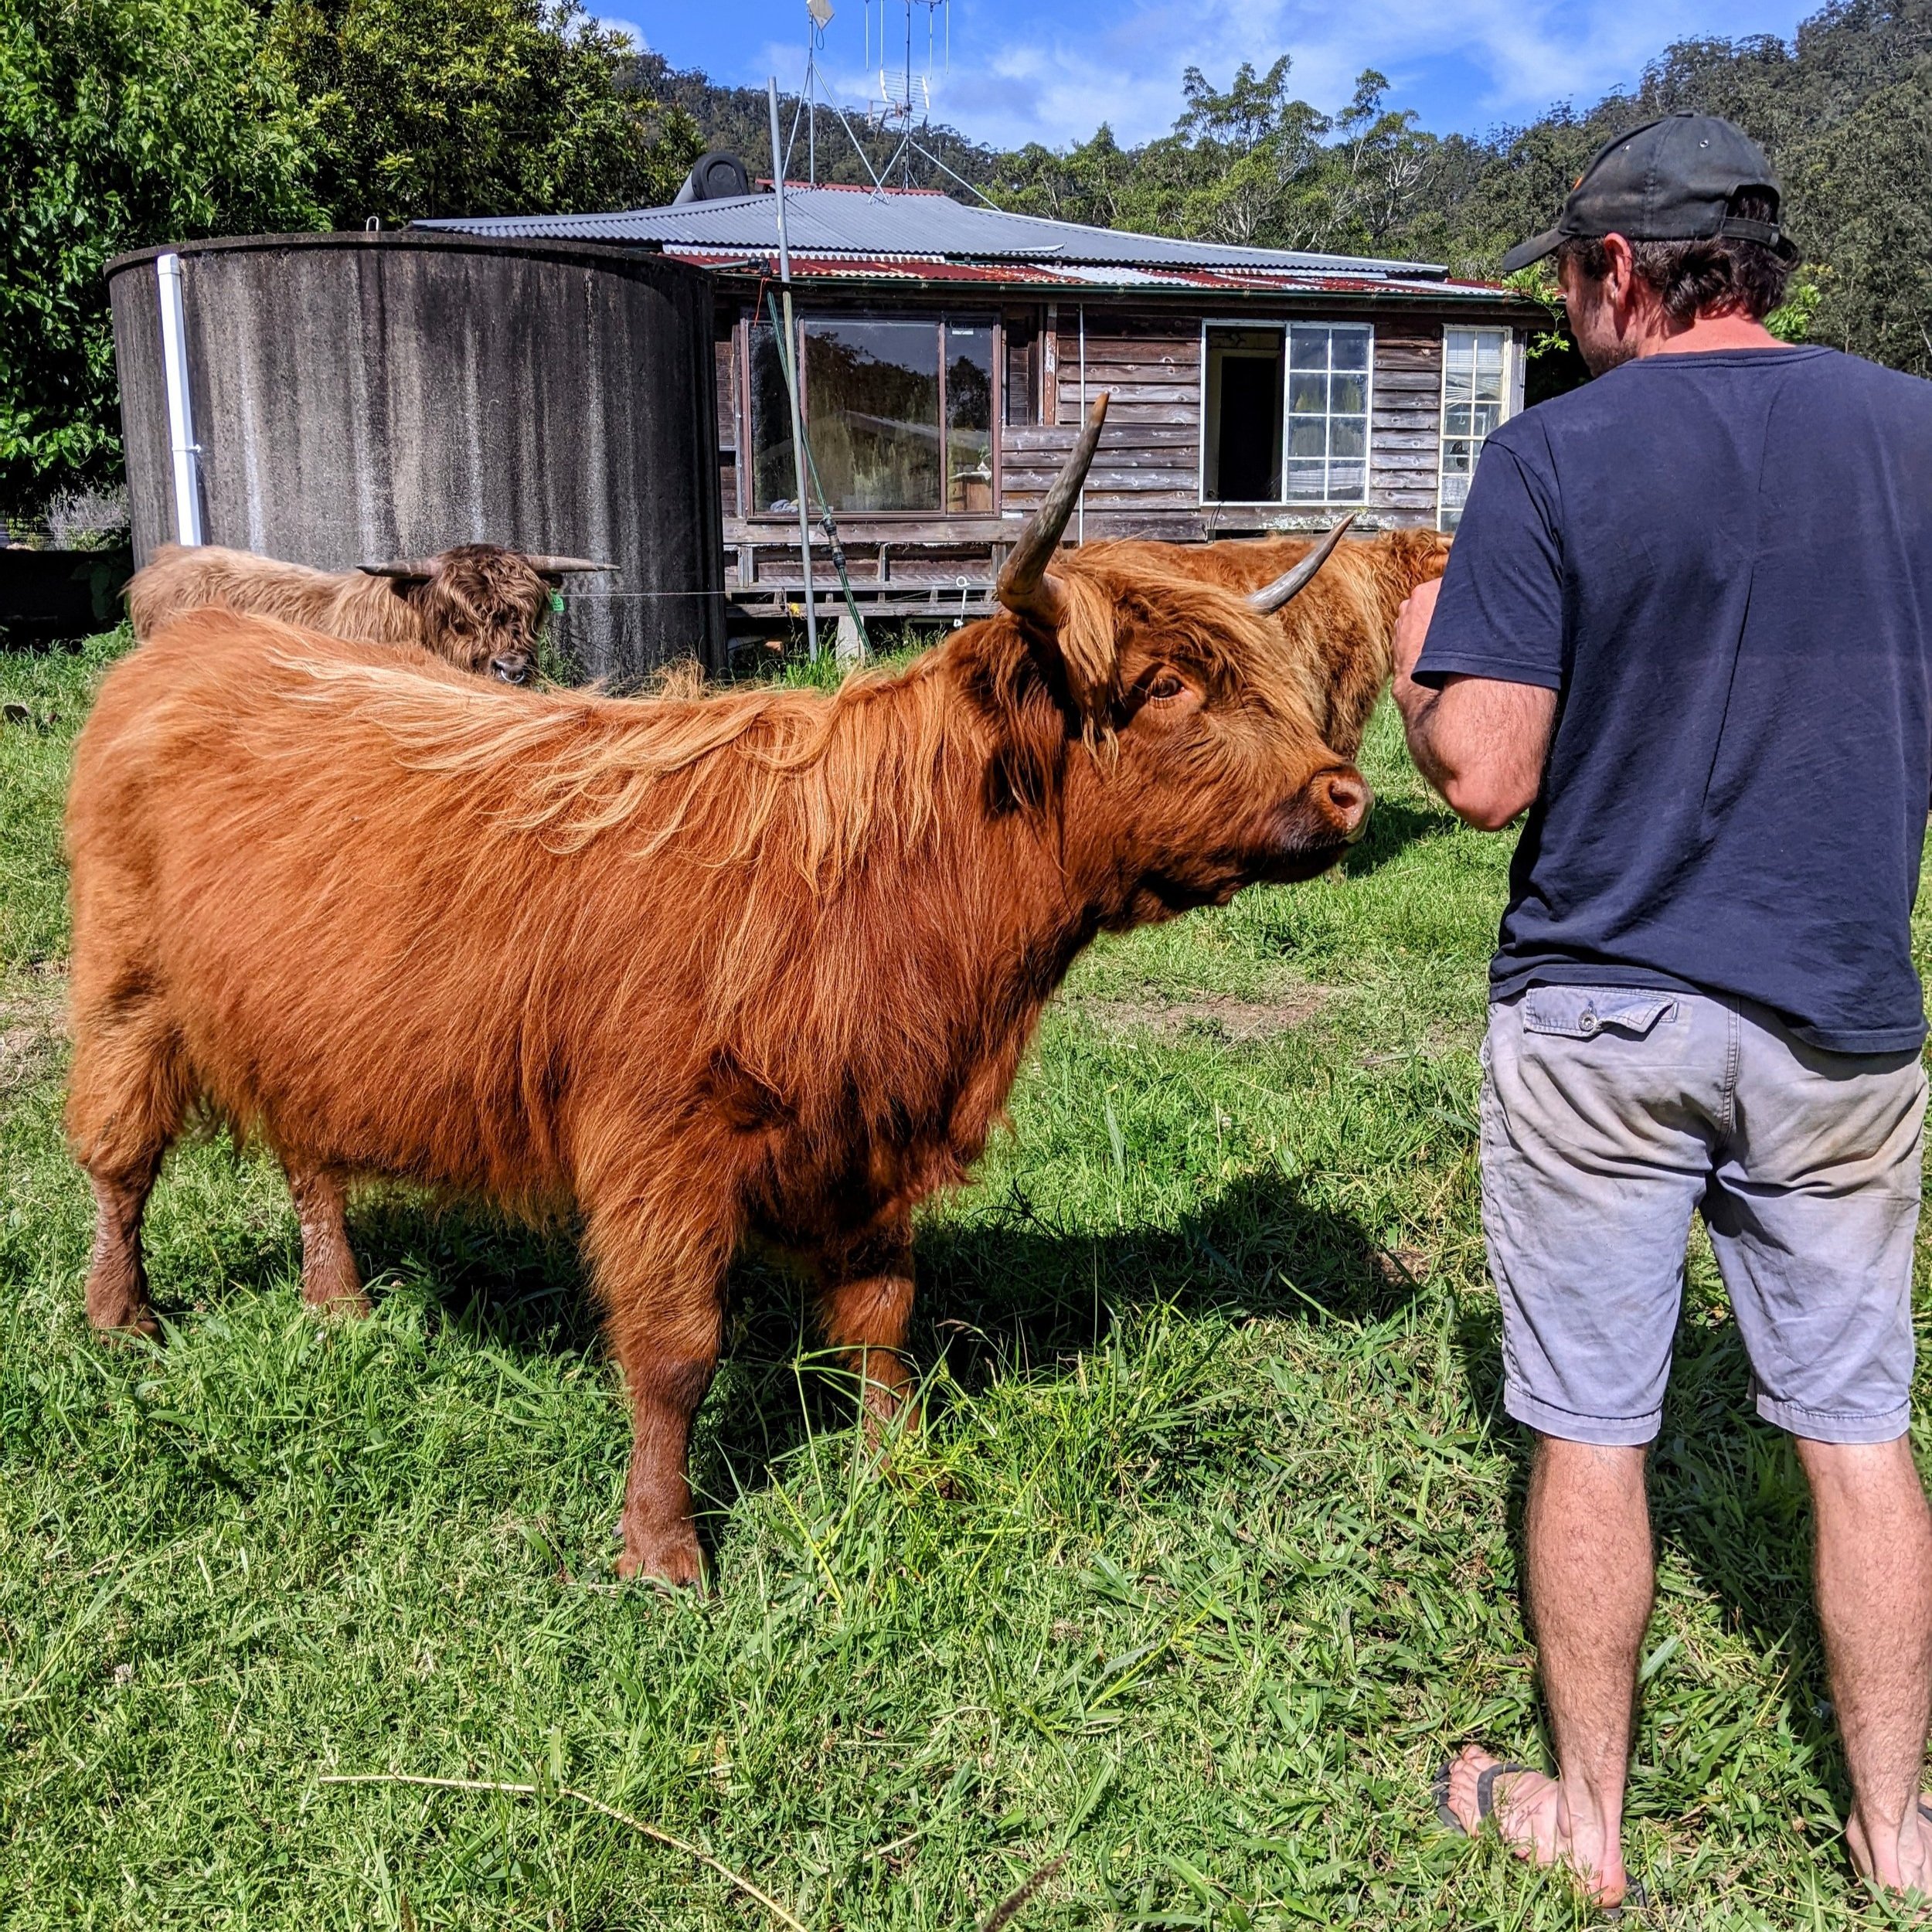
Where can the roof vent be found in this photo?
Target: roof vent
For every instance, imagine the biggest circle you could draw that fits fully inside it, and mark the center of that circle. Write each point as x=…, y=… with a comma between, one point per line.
x=716, y=177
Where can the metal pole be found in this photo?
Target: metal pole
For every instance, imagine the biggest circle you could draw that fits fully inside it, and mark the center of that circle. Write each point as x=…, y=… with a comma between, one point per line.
x=787, y=350
x=1080, y=534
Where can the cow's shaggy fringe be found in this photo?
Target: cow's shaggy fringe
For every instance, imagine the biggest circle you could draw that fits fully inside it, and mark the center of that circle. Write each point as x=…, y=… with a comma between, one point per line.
x=1340, y=630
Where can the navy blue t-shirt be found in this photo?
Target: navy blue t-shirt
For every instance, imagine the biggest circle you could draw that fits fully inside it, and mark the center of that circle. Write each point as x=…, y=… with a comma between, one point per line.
x=1722, y=562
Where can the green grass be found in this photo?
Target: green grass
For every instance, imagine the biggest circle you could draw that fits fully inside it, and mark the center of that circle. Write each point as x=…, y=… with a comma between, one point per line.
x=1207, y=1561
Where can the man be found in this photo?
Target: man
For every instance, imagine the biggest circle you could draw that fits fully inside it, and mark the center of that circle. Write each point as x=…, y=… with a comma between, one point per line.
x=1688, y=625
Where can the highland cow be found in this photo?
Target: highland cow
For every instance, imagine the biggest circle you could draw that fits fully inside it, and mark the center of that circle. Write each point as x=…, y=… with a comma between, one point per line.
x=761, y=963
x=478, y=606
x=1342, y=632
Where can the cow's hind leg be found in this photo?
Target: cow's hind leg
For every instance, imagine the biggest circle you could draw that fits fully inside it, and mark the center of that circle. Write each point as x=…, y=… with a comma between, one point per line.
x=866, y=1306
x=127, y=1092
x=117, y=1277
x=662, y=1280
x=330, y=1281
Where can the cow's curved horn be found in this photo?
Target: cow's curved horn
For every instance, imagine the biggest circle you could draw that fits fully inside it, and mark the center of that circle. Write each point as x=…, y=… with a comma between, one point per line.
x=1026, y=586
x=414, y=566
x=1271, y=596
x=560, y=566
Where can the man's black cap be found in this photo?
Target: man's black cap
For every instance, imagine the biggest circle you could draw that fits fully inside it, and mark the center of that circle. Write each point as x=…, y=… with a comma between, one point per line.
x=1669, y=180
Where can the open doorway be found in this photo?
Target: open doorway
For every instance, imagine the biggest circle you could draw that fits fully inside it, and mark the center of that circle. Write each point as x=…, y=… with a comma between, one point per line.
x=1242, y=460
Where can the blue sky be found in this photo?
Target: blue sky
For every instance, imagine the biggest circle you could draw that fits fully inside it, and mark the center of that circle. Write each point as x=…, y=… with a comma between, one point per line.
x=1052, y=71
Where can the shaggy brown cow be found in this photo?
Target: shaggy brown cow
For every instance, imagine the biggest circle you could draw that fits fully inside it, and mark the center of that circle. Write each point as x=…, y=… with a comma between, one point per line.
x=761, y=963
x=478, y=606
x=1342, y=631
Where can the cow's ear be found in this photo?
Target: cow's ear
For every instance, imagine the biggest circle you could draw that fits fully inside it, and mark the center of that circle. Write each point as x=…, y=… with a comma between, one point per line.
x=1087, y=640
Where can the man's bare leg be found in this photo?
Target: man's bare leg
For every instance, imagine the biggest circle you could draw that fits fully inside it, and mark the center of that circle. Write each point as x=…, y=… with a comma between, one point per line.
x=1873, y=1575
x=1590, y=1580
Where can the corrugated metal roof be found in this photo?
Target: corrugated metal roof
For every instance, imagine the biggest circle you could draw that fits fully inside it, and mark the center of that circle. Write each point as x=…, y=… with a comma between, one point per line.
x=832, y=222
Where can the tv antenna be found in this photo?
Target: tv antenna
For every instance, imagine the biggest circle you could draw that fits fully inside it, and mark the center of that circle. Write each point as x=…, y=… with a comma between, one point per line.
x=902, y=102
x=904, y=99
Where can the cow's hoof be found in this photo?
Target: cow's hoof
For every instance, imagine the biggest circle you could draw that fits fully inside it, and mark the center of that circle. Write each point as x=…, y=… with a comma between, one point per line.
x=117, y=1317
x=119, y=1334
x=672, y=1557
x=355, y=1306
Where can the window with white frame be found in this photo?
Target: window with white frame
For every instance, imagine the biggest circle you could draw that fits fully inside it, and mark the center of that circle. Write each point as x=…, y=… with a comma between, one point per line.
x=1285, y=412
x=1328, y=411
x=1475, y=382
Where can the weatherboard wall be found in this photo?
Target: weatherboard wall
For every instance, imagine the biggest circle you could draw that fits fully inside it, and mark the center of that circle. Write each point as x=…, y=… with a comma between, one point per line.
x=1146, y=479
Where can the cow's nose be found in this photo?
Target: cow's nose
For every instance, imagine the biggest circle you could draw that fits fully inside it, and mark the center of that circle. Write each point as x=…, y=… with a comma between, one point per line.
x=1347, y=795
x=508, y=671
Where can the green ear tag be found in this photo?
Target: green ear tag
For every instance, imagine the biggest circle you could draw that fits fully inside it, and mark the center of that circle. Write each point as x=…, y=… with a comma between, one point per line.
x=557, y=600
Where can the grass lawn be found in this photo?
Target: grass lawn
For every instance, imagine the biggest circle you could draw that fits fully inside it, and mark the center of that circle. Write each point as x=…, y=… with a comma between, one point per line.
x=1207, y=1560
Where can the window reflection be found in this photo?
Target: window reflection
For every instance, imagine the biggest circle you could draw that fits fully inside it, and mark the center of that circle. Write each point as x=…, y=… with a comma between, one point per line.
x=969, y=417
x=871, y=391
x=1473, y=367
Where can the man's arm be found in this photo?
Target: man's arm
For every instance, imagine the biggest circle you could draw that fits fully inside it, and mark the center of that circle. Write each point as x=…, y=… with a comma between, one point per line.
x=1480, y=742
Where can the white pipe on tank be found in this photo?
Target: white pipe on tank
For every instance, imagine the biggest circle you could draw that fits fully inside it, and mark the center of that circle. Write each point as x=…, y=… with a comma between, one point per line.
x=185, y=451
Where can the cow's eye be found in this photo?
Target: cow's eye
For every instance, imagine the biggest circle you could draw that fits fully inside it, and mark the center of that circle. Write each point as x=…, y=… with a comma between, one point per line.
x=1165, y=686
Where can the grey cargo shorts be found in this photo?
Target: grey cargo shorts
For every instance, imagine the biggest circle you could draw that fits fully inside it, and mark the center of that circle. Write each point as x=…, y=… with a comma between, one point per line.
x=1610, y=1116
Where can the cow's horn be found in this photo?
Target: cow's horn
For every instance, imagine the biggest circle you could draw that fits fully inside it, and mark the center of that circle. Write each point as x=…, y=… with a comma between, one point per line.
x=1026, y=586
x=1271, y=596
x=414, y=566
x=559, y=566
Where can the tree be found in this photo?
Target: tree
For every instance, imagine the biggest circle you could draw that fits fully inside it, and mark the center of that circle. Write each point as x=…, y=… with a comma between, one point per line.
x=123, y=123
x=429, y=107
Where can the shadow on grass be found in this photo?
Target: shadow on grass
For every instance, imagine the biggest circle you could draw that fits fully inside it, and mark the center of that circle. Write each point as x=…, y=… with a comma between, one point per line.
x=1013, y=1290
x=1393, y=827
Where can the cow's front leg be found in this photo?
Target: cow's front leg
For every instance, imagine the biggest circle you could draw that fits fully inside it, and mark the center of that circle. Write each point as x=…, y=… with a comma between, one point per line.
x=331, y=1282
x=866, y=1306
x=663, y=1285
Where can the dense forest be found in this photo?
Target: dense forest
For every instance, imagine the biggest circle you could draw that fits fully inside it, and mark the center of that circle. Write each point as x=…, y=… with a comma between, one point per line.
x=124, y=123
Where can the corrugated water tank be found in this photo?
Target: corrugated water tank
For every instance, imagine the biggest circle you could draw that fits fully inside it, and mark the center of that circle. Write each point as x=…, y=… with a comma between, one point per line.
x=359, y=398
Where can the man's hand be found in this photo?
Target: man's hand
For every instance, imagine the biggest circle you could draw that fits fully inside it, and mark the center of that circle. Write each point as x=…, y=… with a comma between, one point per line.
x=1480, y=742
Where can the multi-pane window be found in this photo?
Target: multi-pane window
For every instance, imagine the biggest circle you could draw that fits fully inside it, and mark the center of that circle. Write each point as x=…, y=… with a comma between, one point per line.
x=1474, y=382
x=1328, y=411
x=898, y=413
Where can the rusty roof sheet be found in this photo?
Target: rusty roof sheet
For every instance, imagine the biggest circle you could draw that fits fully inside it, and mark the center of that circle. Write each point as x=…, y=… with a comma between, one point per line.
x=1075, y=275
x=854, y=225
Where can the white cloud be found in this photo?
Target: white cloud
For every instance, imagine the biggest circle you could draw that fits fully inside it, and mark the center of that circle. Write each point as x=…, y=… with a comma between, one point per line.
x=1475, y=62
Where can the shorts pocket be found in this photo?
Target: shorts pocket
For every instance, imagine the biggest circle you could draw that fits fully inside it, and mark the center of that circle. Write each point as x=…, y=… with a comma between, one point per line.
x=1581, y=1013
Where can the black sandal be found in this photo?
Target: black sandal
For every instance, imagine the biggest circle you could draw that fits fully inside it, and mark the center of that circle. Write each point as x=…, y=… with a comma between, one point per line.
x=1485, y=1793
x=1633, y=1893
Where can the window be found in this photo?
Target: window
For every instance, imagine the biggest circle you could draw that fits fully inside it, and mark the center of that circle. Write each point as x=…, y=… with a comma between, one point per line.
x=1328, y=411
x=898, y=413
x=1242, y=461
x=969, y=417
x=1475, y=375
x=1304, y=382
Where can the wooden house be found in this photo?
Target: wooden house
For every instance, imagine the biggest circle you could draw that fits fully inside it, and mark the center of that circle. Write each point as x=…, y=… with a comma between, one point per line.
x=948, y=351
